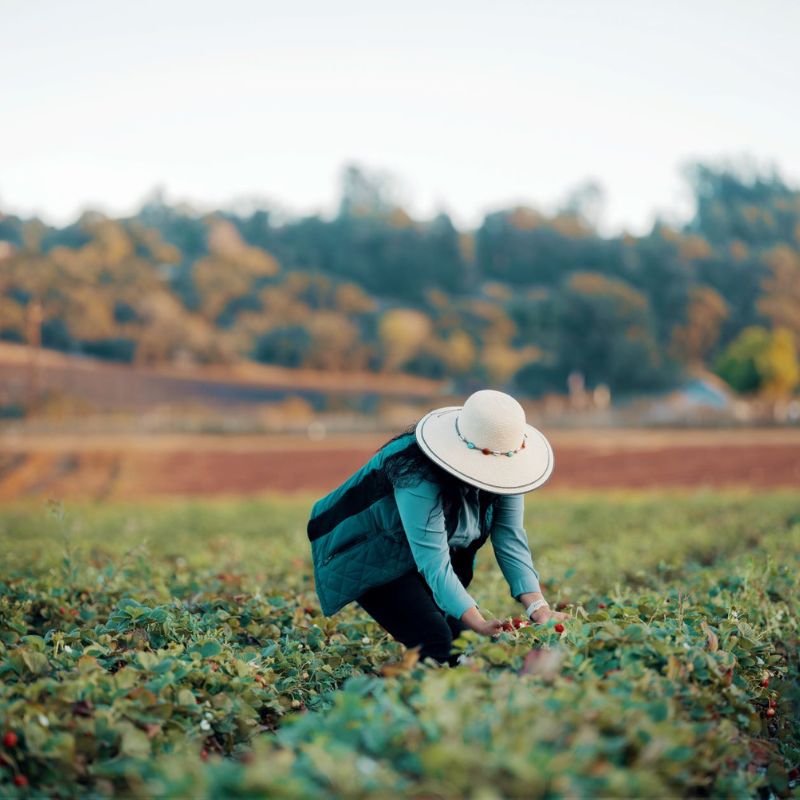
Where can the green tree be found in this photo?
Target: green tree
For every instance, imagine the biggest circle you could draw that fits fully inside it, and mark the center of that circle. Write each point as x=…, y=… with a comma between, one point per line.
x=286, y=345
x=761, y=361
x=738, y=363
x=604, y=331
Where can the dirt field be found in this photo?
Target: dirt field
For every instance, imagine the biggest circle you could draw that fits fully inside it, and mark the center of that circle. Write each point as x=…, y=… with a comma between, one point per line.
x=125, y=467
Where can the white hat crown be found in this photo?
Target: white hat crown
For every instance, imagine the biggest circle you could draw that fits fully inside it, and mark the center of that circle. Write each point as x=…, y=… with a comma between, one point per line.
x=493, y=420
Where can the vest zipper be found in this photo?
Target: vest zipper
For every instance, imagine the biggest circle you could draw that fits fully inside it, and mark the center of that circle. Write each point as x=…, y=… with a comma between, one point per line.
x=345, y=548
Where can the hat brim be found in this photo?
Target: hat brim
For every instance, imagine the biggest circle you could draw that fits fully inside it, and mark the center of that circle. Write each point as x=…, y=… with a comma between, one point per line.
x=526, y=470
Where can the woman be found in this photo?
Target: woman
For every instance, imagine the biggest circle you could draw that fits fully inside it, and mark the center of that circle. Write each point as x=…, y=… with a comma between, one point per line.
x=400, y=535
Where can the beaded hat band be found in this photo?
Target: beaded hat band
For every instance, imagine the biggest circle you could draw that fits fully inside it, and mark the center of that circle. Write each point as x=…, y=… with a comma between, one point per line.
x=485, y=450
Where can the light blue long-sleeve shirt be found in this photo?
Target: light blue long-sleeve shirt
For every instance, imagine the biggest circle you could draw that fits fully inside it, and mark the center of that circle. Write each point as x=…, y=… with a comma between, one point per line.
x=423, y=520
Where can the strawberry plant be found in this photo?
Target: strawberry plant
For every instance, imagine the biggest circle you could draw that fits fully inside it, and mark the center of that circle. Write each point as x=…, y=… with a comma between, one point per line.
x=197, y=662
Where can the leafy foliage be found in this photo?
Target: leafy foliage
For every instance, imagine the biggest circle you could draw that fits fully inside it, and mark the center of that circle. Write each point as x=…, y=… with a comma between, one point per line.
x=521, y=302
x=761, y=360
x=177, y=650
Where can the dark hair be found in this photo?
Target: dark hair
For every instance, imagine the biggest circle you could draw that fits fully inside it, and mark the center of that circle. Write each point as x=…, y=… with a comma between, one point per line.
x=410, y=465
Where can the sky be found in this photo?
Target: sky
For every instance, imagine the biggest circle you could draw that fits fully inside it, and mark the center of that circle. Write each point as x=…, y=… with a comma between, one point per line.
x=469, y=106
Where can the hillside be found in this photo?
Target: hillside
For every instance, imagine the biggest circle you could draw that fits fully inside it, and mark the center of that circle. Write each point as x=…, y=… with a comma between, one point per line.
x=86, y=384
x=520, y=303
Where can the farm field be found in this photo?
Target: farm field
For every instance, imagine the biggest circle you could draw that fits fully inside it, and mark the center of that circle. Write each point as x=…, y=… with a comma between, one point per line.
x=127, y=467
x=175, y=648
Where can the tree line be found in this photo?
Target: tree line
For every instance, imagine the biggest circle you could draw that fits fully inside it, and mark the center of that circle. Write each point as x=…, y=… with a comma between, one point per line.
x=520, y=303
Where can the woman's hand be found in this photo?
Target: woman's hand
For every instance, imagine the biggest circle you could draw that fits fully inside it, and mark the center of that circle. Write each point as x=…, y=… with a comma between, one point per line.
x=474, y=620
x=545, y=613
x=490, y=627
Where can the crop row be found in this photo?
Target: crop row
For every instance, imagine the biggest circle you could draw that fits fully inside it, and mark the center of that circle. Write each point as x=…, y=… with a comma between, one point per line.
x=173, y=671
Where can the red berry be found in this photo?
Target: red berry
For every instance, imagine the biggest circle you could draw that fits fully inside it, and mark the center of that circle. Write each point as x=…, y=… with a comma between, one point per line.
x=507, y=626
x=10, y=739
x=773, y=703
x=517, y=621
x=729, y=676
x=601, y=605
x=559, y=628
x=770, y=712
x=74, y=612
x=20, y=780
x=204, y=755
x=765, y=682
x=62, y=610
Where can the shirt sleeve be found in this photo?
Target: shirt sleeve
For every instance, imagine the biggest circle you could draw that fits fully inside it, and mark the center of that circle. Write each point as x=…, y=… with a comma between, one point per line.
x=423, y=521
x=510, y=544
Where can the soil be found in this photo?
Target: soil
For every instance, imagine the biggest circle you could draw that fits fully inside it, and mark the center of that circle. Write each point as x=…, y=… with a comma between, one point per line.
x=127, y=467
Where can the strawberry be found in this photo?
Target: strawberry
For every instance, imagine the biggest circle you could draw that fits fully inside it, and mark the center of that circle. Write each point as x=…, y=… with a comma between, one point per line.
x=765, y=682
x=10, y=740
x=601, y=605
x=770, y=712
x=20, y=780
x=773, y=703
x=517, y=622
x=559, y=628
x=728, y=678
x=507, y=626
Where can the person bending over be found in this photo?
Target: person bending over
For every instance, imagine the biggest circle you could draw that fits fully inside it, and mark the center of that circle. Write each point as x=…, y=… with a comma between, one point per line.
x=400, y=536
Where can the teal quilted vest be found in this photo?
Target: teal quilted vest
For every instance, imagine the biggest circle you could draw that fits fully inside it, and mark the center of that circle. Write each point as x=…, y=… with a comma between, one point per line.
x=356, y=534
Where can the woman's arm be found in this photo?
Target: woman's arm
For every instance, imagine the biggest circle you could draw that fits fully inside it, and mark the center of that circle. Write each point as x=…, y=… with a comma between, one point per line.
x=423, y=521
x=511, y=549
x=513, y=554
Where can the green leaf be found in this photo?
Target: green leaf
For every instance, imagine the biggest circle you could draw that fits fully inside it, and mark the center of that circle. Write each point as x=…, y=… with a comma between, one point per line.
x=207, y=648
x=134, y=742
x=34, y=661
x=148, y=661
x=186, y=697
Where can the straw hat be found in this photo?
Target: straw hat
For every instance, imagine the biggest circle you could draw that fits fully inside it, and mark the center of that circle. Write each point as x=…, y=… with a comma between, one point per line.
x=487, y=443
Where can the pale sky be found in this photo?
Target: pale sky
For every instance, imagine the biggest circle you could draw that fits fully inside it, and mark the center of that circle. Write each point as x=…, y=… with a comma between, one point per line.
x=473, y=106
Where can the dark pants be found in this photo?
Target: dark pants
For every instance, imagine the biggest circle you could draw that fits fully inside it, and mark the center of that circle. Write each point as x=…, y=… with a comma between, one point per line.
x=405, y=608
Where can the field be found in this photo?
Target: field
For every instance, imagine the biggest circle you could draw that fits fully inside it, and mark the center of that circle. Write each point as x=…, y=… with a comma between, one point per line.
x=176, y=649
x=128, y=467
